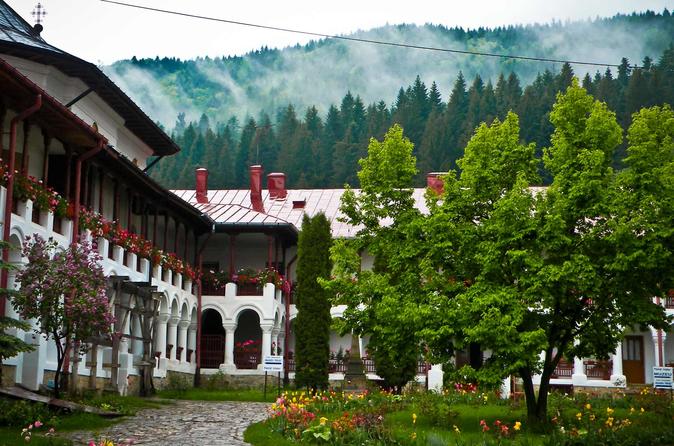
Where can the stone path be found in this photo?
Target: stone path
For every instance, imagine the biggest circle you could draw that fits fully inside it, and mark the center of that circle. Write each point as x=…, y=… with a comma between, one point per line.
x=185, y=423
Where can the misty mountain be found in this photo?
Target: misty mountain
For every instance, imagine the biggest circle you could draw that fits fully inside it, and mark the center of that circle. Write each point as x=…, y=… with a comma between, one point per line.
x=320, y=72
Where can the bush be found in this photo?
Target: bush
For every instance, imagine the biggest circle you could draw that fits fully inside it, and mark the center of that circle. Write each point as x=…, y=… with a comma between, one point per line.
x=217, y=381
x=22, y=413
x=177, y=382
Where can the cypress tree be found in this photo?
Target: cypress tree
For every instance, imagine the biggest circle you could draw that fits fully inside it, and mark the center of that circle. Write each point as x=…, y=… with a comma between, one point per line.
x=312, y=327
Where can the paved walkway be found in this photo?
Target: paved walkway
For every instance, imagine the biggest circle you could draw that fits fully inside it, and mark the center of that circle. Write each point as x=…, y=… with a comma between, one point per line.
x=185, y=423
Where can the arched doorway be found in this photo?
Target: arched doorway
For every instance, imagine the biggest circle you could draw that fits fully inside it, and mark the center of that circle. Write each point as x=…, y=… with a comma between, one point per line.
x=212, y=340
x=248, y=341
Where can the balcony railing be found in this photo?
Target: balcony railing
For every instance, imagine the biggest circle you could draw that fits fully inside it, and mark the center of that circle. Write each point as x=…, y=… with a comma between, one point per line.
x=246, y=360
x=669, y=302
x=598, y=369
x=563, y=370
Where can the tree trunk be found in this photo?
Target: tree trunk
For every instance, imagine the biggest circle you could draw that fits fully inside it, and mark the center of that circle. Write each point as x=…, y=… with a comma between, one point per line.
x=529, y=394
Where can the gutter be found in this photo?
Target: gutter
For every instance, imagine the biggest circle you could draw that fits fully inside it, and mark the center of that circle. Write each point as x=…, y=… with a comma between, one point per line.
x=197, y=348
x=9, y=199
x=78, y=179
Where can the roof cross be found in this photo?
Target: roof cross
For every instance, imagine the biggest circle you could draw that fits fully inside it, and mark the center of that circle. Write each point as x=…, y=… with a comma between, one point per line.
x=39, y=12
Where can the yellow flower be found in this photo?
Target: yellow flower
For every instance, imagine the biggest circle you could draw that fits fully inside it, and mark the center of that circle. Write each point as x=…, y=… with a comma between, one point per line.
x=579, y=415
x=413, y=435
x=588, y=406
x=631, y=409
x=592, y=417
x=609, y=421
x=323, y=420
x=414, y=418
x=456, y=429
x=517, y=425
x=642, y=410
x=609, y=411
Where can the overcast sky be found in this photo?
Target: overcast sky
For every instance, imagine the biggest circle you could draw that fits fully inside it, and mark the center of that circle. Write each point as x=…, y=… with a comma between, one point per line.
x=102, y=33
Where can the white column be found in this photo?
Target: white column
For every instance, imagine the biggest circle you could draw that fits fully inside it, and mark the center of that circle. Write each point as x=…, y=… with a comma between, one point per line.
x=274, y=340
x=617, y=377
x=192, y=342
x=266, y=339
x=173, y=335
x=280, y=345
x=160, y=335
x=435, y=377
x=137, y=344
x=182, y=339
x=124, y=342
x=229, y=343
x=664, y=350
x=578, y=377
x=656, y=347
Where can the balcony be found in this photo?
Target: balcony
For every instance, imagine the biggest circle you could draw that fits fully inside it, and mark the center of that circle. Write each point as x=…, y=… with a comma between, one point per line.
x=564, y=370
x=598, y=369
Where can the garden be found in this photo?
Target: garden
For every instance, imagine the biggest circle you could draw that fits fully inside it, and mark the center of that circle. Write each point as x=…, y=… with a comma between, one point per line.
x=463, y=415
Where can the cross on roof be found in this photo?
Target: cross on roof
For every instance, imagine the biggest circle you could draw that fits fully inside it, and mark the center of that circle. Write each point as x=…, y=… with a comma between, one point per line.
x=39, y=12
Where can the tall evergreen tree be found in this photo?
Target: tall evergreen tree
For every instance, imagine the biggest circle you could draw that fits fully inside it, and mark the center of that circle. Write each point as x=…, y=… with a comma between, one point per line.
x=312, y=326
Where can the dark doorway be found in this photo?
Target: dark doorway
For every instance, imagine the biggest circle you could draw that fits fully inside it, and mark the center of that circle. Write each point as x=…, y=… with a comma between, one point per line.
x=212, y=340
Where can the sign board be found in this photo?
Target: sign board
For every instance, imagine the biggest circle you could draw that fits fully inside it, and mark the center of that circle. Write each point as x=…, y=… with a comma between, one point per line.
x=272, y=363
x=662, y=377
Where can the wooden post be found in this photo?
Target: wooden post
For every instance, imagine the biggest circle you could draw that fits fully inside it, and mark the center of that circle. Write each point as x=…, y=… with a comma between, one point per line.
x=45, y=162
x=24, y=155
x=101, y=184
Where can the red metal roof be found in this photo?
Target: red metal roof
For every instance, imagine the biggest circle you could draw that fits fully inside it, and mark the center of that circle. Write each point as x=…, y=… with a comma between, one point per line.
x=234, y=207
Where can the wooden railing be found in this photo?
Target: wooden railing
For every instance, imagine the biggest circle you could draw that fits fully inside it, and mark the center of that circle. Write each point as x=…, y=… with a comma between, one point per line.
x=564, y=369
x=212, y=351
x=669, y=302
x=598, y=369
x=246, y=360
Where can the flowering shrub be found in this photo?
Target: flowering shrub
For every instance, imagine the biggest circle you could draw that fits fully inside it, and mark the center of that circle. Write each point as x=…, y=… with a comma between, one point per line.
x=248, y=276
x=249, y=346
x=65, y=291
x=134, y=243
x=46, y=199
x=293, y=415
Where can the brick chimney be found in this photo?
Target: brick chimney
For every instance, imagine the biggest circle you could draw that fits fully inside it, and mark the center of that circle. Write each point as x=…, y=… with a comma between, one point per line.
x=202, y=185
x=276, y=183
x=256, y=188
x=435, y=182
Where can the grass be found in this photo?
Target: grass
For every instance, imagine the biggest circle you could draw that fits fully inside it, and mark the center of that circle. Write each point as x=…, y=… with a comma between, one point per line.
x=202, y=394
x=12, y=436
x=259, y=434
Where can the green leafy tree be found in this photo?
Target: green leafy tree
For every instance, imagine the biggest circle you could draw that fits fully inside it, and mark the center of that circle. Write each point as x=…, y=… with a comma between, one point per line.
x=312, y=327
x=378, y=300
x=542, y=272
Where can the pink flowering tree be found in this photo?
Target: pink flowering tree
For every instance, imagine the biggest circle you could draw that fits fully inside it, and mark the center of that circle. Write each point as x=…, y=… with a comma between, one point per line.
x=65, y=292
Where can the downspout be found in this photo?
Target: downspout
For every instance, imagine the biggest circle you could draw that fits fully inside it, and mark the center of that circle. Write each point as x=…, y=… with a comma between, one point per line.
x=286, y=338
x=76, y=232
x=78, y=178
x=9, y=198
x=197, y=372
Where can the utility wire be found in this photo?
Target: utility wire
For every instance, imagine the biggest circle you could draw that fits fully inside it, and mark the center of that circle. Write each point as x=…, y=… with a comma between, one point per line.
x=363, y=40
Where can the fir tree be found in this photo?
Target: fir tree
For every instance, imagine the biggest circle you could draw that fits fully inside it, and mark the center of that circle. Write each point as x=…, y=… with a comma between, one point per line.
x=312, y=327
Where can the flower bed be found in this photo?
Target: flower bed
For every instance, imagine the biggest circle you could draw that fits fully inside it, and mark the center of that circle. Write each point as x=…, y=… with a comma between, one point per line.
x=249, y=281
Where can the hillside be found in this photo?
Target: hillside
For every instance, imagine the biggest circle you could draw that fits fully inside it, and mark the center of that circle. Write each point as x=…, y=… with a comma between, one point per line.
x=321, y=72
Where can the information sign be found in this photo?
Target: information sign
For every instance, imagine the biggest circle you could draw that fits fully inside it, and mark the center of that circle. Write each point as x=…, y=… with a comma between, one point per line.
x=272, y=363
x=662, y=377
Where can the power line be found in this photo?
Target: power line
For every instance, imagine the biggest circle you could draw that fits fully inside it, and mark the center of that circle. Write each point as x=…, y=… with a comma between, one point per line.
x=363, y=40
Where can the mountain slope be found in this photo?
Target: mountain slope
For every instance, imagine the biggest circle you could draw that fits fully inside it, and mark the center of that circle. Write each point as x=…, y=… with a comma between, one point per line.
x=319, y=73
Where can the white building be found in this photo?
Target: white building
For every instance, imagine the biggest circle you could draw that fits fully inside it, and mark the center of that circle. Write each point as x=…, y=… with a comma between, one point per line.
x=89, y=142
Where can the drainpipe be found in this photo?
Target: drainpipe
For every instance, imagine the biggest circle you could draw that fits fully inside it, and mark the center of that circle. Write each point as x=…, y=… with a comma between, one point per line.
x=78, y=178
x=286, y=338
x=76, y=225
x=9, y=199
x=197, y=373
